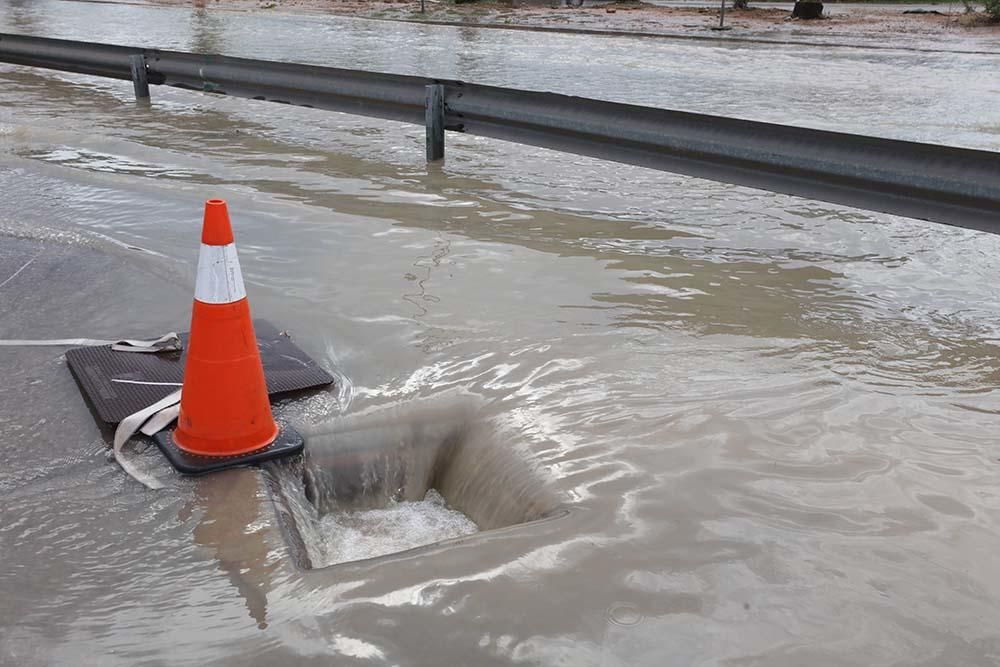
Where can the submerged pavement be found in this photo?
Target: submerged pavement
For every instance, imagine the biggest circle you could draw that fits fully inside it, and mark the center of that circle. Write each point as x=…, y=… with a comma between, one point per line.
x=773, y=420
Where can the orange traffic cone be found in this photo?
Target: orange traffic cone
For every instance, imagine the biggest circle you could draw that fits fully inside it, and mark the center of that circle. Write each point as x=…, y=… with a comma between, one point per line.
x=225, y=414
x=224, y=404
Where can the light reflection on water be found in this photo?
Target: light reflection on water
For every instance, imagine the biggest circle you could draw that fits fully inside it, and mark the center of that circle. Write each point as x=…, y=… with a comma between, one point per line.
x=776, y=417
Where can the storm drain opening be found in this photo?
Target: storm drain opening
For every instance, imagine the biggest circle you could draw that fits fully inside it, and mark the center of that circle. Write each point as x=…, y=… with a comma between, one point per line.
x=400, y=478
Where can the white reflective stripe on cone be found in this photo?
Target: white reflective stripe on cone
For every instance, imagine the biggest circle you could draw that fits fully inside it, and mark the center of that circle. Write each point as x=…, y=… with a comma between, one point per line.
x=219, y=278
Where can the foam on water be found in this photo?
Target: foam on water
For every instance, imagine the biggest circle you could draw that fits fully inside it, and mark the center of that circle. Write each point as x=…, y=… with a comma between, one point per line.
x=347, y=536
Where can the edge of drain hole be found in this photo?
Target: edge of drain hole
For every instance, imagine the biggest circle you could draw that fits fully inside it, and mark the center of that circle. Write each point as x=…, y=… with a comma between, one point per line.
x=299, y=554
x=296, y=546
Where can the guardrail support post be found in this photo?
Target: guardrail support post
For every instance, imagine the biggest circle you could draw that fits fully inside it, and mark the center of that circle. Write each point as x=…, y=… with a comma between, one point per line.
x=139, y=80
x=434, y=119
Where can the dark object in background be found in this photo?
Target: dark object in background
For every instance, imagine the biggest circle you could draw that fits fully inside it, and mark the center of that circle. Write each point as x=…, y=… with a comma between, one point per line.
x=807, y=9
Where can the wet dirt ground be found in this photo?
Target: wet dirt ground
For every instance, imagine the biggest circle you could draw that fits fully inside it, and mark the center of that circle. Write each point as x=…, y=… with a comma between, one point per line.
x=939, y=26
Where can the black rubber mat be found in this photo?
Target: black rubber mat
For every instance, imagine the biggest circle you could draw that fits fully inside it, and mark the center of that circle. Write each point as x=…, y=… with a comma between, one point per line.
x=287, y=443
x=286, y=368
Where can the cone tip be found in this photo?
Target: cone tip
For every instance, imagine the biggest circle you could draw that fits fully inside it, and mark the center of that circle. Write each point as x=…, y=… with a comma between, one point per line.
x=216, y=229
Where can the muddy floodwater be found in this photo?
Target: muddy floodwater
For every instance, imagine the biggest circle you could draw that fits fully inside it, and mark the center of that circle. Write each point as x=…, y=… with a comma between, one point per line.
x=765, y=428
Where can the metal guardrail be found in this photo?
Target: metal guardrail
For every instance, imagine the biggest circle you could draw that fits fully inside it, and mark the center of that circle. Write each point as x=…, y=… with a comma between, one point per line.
x=954, y=186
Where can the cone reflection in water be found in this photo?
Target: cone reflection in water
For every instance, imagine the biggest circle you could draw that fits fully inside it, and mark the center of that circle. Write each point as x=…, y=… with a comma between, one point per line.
x=225, y=409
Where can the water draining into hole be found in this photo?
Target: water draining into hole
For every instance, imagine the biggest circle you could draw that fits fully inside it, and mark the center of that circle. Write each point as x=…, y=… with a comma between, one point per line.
x=401, y=477
x=339, y=537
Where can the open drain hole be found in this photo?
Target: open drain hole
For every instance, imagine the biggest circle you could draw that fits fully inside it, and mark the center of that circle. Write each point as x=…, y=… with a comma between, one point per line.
x=400, y=478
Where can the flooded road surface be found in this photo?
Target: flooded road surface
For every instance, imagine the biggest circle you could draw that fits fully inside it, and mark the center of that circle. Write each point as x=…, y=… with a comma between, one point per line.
x=774, y=420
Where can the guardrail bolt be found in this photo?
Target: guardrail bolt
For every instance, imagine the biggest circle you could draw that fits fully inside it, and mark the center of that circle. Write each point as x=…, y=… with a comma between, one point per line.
x=139, y=80
x=434, y=118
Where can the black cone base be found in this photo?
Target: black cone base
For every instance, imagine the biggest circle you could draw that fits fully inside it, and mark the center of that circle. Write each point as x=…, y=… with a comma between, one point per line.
x=288, y=443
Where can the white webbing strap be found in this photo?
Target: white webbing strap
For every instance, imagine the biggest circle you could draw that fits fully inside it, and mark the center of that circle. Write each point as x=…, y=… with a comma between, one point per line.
x=148, y=384
x=167, y=343
x=149, y=420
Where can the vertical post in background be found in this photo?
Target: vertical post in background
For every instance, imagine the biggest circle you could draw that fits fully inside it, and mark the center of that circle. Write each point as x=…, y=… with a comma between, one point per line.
x=722, y=18
x=422, y=9
x=139, y=80
x=434, y=119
